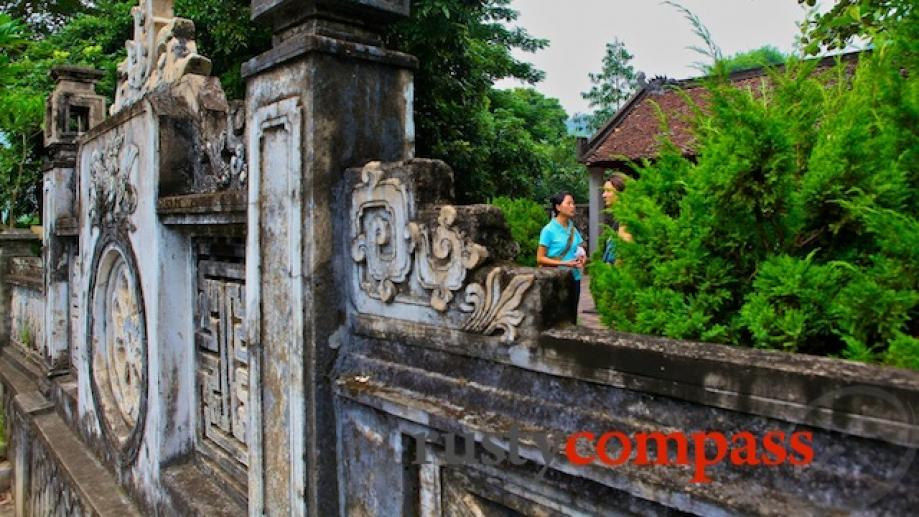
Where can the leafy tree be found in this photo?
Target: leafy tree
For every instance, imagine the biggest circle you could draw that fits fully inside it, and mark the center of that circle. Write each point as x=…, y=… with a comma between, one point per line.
x=529, y=152
x=43, y=16
x=525, y=218
x=797, y=226
x=711, y=50
x=463, y=47
x=612, y=86
x=227, y=36
x=20, y=117
x=848, y=19
x=20, y=123
x=12, y=39
x=563, y=173
x=715, y=61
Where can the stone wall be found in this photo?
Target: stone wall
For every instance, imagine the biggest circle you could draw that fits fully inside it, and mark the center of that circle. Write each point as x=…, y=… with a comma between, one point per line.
x=394, y=390
x=26, y=305
x=13, y=244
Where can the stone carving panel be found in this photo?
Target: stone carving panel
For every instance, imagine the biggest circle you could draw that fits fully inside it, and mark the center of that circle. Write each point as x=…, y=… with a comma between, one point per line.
x=381, y=244
x=112, y=196
x=410, y=247
x=49, y=494
x=442, y=257
x=223, y=358
x=392, y=248
x=163, y=51
x=227, y=152
x=494, y=308
x=118, y=347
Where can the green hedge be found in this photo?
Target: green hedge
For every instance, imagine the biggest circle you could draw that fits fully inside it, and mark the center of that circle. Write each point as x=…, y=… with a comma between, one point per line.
x=797, y=226
x=525, y=218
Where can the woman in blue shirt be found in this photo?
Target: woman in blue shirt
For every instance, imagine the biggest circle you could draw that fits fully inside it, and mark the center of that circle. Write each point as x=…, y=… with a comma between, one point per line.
x=559, y=240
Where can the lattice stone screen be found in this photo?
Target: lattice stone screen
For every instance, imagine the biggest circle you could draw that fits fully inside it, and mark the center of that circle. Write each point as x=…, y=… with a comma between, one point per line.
x=223, y=363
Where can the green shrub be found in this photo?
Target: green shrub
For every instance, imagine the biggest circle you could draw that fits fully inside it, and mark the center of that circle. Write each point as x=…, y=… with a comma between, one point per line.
x=526, y=219
x=797, y=225
x=25, y=335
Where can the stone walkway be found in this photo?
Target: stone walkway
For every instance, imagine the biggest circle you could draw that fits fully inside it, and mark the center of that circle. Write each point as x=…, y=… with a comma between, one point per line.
x=587, y=311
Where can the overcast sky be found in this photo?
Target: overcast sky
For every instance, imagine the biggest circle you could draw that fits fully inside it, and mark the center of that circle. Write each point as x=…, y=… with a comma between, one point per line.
x=656, y=34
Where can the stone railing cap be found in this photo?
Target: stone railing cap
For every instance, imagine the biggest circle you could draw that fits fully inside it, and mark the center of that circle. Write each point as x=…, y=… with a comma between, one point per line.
x=366, y=10
x=76, y=73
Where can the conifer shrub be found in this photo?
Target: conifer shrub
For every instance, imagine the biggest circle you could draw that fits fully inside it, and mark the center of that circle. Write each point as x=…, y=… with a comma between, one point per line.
x=526, y=219
x=796, y=227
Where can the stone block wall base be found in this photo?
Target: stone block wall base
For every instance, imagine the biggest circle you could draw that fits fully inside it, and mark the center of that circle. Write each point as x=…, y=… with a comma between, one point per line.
x=54, y=473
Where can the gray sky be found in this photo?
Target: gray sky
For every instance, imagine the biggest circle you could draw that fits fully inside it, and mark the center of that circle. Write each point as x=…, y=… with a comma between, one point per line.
x=656, y=34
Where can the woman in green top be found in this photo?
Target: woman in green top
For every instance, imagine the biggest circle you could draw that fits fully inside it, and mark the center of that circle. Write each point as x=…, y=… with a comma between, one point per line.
x=559, y=240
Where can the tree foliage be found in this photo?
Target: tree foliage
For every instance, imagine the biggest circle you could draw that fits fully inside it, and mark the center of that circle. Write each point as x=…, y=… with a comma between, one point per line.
x=43, y=16
x=796, y=228
x=612, y=86
x=527, y=149
x=764, y=56
x=227, y=36
x=525, y=218
x=20, y=124
x=848, y=19
x=498, y=143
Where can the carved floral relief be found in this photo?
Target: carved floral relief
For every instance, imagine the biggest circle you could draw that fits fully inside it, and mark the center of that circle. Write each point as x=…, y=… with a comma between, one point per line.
x=117, y=347
x=494, y=308
x=442, y=257
x=112, y=197
x=392, y=251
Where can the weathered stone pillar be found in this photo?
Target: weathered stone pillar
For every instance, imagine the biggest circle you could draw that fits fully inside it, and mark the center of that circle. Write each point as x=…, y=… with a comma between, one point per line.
x=596, y=206
x=71, y=109
x=325, y=98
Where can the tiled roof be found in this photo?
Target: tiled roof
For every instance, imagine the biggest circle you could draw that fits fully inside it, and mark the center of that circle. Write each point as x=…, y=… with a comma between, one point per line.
x=632, y=133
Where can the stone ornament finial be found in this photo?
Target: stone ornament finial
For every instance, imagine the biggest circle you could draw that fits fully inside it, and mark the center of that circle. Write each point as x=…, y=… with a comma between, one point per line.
x=163, y=51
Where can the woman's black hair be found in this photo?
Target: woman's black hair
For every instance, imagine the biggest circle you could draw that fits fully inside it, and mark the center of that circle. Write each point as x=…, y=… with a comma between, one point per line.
x=557, y=200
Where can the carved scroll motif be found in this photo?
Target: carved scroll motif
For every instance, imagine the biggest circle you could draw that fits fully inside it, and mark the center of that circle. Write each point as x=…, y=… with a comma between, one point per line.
x=381, y=244
x=443, y=256
x=163, y=51
x=112, y=197
x=494, y=308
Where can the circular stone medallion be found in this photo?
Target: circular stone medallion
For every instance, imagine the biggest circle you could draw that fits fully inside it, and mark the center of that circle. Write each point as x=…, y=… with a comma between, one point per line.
x=117, y=350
